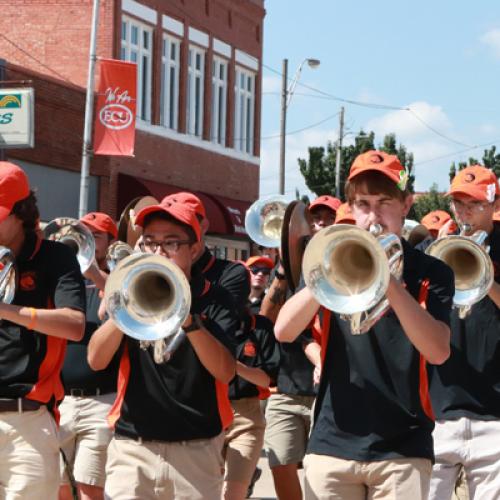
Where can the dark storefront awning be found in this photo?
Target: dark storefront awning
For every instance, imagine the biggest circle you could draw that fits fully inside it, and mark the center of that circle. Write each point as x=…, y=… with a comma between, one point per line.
x=226, y=216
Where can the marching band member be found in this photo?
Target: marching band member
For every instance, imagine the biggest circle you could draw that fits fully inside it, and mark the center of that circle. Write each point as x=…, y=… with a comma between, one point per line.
x=436, y=220
x=323, y=211
x=169, y=418
x=232, y=276
x=372, y=434
x=465, y=390
x=84, y=432
x=257, y=364
x=48, y=308
x=260, y=272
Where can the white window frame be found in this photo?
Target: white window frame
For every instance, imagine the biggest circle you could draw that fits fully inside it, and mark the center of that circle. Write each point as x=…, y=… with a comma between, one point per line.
x=195, y=83
x=170, y=77
x=244, y=110
x=144, y=60
x=219, y=100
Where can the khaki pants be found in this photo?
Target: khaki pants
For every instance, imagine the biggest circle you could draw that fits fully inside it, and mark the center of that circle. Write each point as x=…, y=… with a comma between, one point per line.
x=244, y=439
x=185, y=470
x=29, y=456
x=473, y=444
x=287, y=431
x=84, y=436
x=338, y=479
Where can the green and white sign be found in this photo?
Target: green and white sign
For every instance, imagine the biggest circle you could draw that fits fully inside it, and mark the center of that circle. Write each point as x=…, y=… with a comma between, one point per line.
x=17, y=118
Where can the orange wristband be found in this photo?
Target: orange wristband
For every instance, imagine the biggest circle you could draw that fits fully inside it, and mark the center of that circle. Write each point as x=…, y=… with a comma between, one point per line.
x=32, y=323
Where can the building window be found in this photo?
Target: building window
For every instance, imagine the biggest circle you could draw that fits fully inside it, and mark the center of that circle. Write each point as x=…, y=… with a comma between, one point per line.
x=195, y=91
x=170, y=70
x=219, y=99
x=136, y=46
x=244, y=100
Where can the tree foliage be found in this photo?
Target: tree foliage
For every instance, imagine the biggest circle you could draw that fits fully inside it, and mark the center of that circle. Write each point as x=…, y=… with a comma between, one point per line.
x=433, y=200
x=491, y=160
x=319, y=170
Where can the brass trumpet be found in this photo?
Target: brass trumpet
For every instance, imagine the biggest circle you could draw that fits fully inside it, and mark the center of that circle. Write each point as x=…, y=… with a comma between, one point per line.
x=348, y=268
x=468, y=257
x=8, y=275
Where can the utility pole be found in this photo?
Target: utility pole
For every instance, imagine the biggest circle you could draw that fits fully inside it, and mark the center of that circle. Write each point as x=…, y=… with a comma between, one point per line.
x=338, y=158
x=89, y=112
x=284, y=98
x=3, y=156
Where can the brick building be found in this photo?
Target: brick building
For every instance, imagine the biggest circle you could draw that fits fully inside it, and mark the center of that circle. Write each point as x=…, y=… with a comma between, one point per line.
x=199, y=98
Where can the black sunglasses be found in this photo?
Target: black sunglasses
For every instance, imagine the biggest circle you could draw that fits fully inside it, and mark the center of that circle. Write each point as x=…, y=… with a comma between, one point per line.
x=264, y=270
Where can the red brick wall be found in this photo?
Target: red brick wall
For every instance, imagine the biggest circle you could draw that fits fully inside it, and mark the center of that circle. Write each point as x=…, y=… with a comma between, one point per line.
x=55, y=34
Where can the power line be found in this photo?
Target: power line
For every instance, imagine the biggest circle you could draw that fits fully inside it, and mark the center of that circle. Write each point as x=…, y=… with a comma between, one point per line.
x=303, y=128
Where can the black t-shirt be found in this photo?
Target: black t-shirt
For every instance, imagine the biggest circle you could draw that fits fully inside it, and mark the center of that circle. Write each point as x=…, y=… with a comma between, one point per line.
x=372, y=401
x=178, y=400
x=232, y=276
x=257, y=348
x=468, y=383
x=30, y=362
x=76, y=372
x=255, y=304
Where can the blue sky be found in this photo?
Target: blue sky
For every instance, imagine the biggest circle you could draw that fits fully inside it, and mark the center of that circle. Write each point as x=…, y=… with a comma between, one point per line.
x=440, y=58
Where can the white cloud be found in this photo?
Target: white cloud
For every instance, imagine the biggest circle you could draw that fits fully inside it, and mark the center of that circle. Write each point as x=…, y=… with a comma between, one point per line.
x=271, y=84
x=492, y=39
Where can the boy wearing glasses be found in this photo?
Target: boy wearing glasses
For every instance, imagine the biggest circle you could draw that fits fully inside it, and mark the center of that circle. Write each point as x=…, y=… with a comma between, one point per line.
x=260, y=271
x=465, y=390
x=169, y=417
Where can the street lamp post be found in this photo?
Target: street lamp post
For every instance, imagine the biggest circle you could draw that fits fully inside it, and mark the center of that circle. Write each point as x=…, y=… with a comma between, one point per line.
x=286, y=96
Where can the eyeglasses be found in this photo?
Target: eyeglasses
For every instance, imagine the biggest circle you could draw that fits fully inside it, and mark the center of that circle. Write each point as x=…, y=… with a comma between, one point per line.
x=264, y=270
x=170, y=246
x=473, y=206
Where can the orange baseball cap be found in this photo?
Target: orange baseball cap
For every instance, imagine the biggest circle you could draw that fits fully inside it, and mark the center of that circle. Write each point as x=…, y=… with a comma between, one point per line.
x=496, y=216
x=476, y=181
x=100, y=222
x=326, y=201
x=182, y=212
x=188, y=198
x=436, y=219
x=259, y=260
x=378, y=161
x=344, y=215
x=14, y=187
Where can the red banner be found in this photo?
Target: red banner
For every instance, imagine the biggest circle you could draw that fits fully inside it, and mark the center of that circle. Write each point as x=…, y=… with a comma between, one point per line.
x=114, y=125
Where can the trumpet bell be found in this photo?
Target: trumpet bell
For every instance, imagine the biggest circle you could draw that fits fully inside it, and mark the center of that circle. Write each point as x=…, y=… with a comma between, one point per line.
x=148, y=297
x=264, y=219
x=469, y=260
x=346, y=268
x=8, y=275
x=76, y=235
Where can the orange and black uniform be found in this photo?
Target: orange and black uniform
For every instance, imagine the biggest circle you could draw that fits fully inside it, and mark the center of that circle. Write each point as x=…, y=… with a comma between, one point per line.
x=178, y=400
x=257, y=348
x=30, y=362
x=373, y=401
x=232, y=276
x=78, y=378
x=468, y=383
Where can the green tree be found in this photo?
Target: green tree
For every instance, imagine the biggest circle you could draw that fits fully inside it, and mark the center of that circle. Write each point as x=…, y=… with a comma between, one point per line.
x=433, y=200
x=491, y=159
x=319, y=170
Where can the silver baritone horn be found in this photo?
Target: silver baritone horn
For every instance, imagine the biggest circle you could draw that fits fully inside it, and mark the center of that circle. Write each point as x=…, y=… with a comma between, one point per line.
x=77, y=236
x=348, y=268
x=264, y=219
x=8, y=275
x=148, y=297
x=468, y=257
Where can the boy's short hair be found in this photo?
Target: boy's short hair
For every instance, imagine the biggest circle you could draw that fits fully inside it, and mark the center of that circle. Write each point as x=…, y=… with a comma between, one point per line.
x=373, y=182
